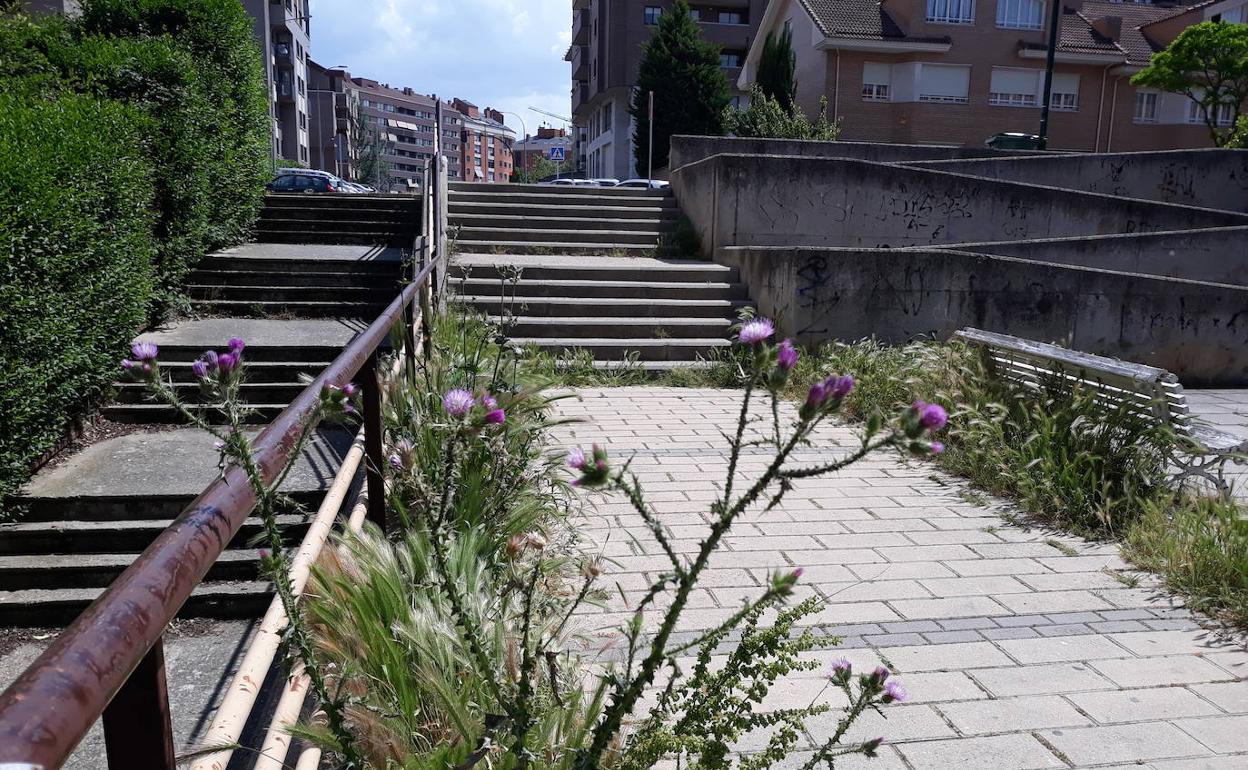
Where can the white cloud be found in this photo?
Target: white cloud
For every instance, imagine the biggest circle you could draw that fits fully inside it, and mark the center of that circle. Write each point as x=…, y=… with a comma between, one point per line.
x=506, y=54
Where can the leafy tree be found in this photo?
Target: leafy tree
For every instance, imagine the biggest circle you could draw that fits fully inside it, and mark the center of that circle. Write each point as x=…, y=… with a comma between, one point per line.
x=368, y=163
x=1208, y=62
x=540, y=168
x=777, y=69
x=690, y=90
x=1239, y=139
x=766, y=119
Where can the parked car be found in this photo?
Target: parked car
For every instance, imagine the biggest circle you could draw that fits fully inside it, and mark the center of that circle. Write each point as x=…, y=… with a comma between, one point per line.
x=1013, y=140
x=306, y=181
x=605, y=182
x=563, y=182
x=653, y=184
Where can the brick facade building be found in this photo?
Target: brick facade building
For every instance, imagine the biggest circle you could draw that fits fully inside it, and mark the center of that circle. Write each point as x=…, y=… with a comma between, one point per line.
x=487, y=144
x=539, y=145
x=957, y=71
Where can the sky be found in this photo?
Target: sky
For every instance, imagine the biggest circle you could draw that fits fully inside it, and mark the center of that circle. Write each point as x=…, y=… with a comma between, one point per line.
x=505, y=54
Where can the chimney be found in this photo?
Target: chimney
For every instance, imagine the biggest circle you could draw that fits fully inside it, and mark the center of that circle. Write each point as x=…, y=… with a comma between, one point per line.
x=1072, y=6
x=1109, y=27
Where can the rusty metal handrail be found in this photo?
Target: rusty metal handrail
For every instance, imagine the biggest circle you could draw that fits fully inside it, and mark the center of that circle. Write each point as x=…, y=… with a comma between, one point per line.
x=110, y=661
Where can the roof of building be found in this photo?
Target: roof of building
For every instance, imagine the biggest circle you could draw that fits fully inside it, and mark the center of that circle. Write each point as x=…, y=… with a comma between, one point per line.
x=852, y=18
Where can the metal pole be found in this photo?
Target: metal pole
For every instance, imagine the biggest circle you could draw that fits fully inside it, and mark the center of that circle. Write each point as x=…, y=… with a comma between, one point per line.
x=138, y=734
x=650, y=142
x=1055, y=12
x=373, y=459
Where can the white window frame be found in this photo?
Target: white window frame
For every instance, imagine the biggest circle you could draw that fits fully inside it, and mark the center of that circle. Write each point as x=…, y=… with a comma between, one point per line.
x=740, y=18
x=646, y=15
x=1196, y=113
x=961, y=12
x=941, y=98
x=1014, y=14
x=872, y=89
x=1149, y=116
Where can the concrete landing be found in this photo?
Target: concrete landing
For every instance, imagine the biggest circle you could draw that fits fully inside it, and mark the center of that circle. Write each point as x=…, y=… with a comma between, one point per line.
x=172, y=463
x=336, y=252
x=200, y=657
x=258, y=332
x=575, y=261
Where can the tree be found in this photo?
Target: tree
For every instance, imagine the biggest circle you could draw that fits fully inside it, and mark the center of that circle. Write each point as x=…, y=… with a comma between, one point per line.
x=540, y=168
x=1208, y=62
x=367, y=162
x=690, y=90
x=777, y=69
x=766, y=119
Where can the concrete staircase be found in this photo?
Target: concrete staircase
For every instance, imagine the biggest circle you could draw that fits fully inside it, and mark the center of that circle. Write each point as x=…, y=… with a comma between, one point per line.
x=545, y=219
x=392, y=220
x=660, y=313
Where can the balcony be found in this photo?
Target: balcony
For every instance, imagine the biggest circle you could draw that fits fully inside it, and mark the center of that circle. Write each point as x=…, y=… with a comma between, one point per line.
x=580, y=62
x=286, y=91
x=580, y=27
x=580, y=95
x=283, y=55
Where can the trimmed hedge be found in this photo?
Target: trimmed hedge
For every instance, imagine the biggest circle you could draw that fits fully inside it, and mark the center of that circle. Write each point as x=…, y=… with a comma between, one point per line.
x=76, y=252
x=171, y=93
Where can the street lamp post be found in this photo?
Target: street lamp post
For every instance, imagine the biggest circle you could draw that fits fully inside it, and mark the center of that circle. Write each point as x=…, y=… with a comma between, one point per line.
x=1055, y=12
x=524, y=131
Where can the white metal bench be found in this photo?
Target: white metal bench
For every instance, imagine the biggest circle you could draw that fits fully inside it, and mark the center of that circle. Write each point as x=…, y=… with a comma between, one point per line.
x=1145, y=390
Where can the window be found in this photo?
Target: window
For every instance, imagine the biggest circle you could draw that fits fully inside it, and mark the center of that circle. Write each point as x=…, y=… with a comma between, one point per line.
x=729, y=60
x=876, y=79
x=1020, y=14
x=731, y=17
x=1196, y=113
x=303, y=120
x=951, y=11
x=944, y=83
x=1145, y=107
x=788, y=27
x=695, y=14
x=1012, y=87
x=652, y=14
x=1065, y=91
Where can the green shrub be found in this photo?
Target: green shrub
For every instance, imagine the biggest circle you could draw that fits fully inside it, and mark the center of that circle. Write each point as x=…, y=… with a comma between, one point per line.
x=76, y=250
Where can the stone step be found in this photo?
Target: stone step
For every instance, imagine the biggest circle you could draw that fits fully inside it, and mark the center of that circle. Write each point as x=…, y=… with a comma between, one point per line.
x=629, y=328
x=160, y=414
x=279, y=293
x=406, y=217
x=512, y=222
x=233, y=262
x=244, y=277
x=130, y=536
x=323, y=201
x=258, y=371
x=58, y=607
x=251, y=392
x=140, y=506
x=485, y=266
x=587, y=289
x=457, y=189
x=334, y=237
x=291, y=309
x=631, y=238
x=291, y=224
x=660, y=209
x=286, y=355
x=608, y=307
x=97, y=570
x=608, y=348
x=543, y=197
x=570, y=249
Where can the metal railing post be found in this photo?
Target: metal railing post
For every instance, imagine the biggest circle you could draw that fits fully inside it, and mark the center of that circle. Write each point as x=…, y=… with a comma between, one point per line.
x=374, y=462
x=138, y=733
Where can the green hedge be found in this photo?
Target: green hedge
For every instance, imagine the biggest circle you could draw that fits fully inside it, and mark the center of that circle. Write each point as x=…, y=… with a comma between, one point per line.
x=172, y=93
x=76, y=251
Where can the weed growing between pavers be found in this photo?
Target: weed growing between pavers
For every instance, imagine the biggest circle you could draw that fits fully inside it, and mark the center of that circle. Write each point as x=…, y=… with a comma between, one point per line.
x=449, y=640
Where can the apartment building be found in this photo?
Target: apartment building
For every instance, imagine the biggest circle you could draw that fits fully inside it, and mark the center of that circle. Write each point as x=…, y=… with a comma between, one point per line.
x=406, y=121
x=284, y=31
x=607, y=39
x=541, y=145
x=955, y=72
x=487, y=144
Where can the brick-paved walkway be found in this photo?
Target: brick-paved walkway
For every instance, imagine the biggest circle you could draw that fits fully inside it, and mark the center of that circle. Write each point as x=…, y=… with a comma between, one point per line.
x=1021, y=648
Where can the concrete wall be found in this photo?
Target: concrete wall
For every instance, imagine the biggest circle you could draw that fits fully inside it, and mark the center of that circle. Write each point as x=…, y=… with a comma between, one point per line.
x=1211, y=178
x=1198, y=331
x=690, y=149
x=753, y=200
x=1218, y=255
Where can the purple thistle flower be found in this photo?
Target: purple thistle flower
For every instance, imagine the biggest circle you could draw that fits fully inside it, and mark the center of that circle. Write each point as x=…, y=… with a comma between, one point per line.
x=200, y=369
x=880, y=674
x=350, y=389
x=576, y=458
x=797, y=573
x=893, y=691
x=396, y=462
x=218, y=445
x=127, y=364
x=840, y=387
x=458, y=402
x=227, y=362
x=842, y=669
x=937, y=447
x=211, y=358
x=787, y=356
x=144, y=351
x=489, y=402
x=932, y=416
x=236, y=345
x=817, y=395
x=754, y=332
x=496, y=417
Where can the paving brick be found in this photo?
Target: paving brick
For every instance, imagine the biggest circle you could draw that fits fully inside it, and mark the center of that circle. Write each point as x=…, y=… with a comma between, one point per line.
x=1047, y=678
x=1065, y=629
x=975, y=586
x=1204, y=763
x=1172, y=643
x=1062, y=649
x=937, y=686
x=915, y=570
x=952, y=637
x=1137, y=705
x=966, y=624
x=1231, y=697
x=959, y=607
x=912, y=626
x=874, y=590
x=1017, y=752
x=1053, y=601
x=1151, y=672
x=1124, y=743
x=996, y=567
x=1221, y=734
x=893, y=640
x=946, y=657
x=897, y=723
x=1003, y=715
x=1010, y=633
